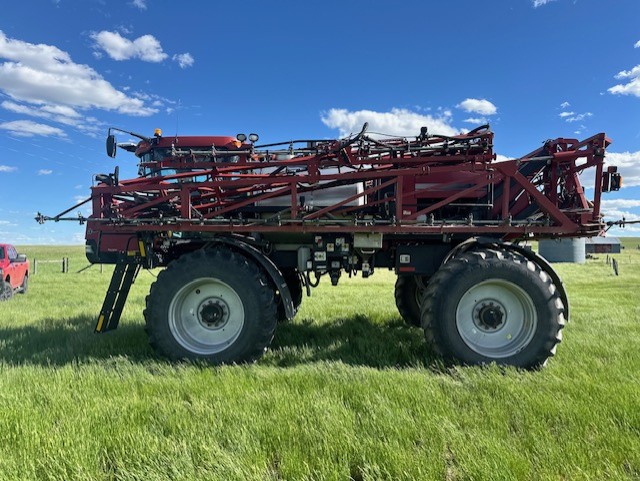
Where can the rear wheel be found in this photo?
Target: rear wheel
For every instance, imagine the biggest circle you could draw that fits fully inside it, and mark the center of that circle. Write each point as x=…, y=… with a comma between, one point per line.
x=492, y=306
x=215, y=305
x=408, y=293
x=6, y=291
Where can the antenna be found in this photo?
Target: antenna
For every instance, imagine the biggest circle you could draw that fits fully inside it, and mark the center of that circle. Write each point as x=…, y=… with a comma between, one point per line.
x=178, y=115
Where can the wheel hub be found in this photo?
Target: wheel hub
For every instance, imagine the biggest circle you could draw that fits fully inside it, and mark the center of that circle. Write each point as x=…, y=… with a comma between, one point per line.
x=489, y=315
x=213, y=313
x=496, y=318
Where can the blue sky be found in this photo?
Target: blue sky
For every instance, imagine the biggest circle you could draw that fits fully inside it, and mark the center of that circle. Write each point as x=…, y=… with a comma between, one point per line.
x=534, y=69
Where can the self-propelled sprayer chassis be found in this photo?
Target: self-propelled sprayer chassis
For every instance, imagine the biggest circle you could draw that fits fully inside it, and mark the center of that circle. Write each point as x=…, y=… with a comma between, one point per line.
x=244, y=229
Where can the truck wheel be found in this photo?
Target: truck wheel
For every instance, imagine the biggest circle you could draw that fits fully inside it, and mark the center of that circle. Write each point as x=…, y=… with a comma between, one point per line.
x=6, y=291
x=214, y=305
x=292, y=278
x=492, y=306
x=408, y=292
x=25, y=285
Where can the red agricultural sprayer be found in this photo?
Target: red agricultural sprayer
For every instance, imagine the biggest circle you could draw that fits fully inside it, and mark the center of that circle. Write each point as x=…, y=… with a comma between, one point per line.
x=244, y=229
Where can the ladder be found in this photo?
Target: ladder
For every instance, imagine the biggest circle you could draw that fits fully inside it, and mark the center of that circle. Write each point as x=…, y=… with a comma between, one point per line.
x=124, y=275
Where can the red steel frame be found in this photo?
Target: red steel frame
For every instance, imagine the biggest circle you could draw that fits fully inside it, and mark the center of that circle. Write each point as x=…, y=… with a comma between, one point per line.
x=205, y=193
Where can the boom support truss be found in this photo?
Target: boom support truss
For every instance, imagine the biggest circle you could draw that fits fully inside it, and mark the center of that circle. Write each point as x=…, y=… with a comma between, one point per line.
x=433, y=184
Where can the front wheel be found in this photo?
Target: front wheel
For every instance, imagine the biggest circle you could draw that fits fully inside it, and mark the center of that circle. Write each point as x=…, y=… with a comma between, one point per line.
x=493, y=306
x=214, y=305
x=6, y=291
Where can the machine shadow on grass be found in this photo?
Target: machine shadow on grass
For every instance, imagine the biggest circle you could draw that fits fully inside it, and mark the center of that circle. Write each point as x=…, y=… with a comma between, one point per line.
x=355, y=341
x=65, y=341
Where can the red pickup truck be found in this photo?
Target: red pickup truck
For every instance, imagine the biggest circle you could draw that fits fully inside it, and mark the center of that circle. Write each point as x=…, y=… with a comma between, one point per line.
x=14, y=272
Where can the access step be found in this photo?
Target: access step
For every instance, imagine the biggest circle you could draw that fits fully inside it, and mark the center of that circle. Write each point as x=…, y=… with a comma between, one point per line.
x=123, y=277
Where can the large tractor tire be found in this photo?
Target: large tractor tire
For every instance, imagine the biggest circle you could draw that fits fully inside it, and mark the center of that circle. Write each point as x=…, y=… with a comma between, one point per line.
x=215, y=305
x=408, y=293
x=6, y=291
x=489, y=306
x=292, y=278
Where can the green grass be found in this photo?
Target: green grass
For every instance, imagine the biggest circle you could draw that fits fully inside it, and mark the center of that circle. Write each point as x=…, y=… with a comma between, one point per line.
x=347, y=391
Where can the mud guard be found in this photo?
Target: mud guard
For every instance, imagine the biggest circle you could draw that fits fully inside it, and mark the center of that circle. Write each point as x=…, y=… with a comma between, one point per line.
x=268, y=265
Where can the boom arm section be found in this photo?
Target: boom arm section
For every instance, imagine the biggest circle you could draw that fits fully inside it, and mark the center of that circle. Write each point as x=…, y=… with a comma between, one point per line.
x=433, y=184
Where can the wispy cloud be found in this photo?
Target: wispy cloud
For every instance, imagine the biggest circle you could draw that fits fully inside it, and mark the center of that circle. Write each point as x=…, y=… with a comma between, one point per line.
x=476, y=120
x=7, y=168
x=28, y=128
x=45, y=172
x=540, y=3
x=573, y=117
x=141, y=4
x=57, y=113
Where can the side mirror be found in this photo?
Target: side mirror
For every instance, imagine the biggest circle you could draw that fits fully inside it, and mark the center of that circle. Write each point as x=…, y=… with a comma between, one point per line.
x=21, y=258
x=111, y=146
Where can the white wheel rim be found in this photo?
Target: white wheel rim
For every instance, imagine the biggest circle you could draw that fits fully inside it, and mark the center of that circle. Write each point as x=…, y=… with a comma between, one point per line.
x=496, y=318
x=206, y=316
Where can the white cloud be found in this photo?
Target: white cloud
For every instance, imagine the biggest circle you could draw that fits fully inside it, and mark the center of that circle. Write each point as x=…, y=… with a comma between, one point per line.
x=7, y=168
x=28, y=128
x=565, y=105
x=476, y=120
x=540, y=3
x=56, y=113
x=401, y=122
x=634, y=72
x=141, y=4
x=620, y=203
x=184, y=59
x=478, y=106
x=45, y=75
x=628, y=164
x=633, y=86
x=630, y=88
x=45, y=172
x=146, y=48
x=566, y=114
x=617, y=214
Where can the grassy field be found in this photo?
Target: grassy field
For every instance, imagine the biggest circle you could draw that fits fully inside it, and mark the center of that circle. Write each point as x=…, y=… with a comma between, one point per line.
x=347, y=391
